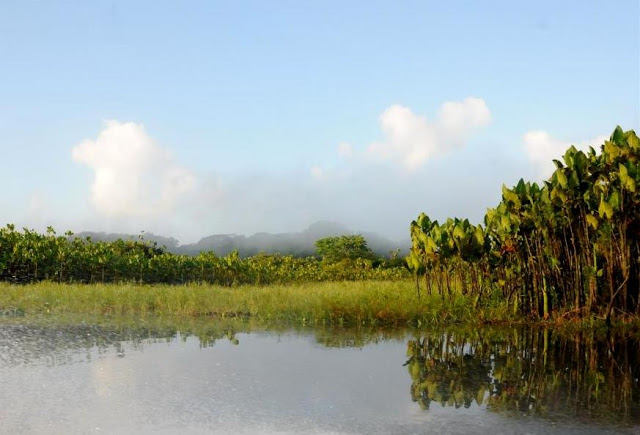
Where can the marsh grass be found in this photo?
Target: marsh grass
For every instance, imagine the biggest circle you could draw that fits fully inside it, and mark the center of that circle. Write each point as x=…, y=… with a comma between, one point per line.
x=337, y=303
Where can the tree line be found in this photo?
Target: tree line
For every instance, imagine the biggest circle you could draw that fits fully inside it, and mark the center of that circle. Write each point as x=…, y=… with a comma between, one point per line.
x=28, y=256
x=568, y=244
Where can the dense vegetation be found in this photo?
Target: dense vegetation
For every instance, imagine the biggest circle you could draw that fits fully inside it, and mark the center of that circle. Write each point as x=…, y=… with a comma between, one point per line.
x=28, y=256
x=340, y=248
x=570, y=244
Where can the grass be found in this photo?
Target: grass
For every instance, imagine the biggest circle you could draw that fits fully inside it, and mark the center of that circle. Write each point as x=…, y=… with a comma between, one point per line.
x=343, y=303
x=352, y=303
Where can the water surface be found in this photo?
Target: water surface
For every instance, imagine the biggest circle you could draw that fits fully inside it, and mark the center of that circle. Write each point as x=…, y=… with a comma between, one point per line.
x=141, y=376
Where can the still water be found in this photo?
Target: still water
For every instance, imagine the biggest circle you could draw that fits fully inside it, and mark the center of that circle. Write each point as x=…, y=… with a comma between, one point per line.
x=126, y=375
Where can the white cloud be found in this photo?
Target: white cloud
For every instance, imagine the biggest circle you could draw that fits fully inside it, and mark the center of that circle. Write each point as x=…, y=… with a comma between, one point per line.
x=345, y=150
x=412, y=139
x=133, y=176
x=541, y=149
x=136, y=184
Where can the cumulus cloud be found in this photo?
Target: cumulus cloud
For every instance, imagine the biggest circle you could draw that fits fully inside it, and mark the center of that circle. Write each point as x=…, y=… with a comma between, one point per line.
x=412, y=139
x=137, y=184
x=133, y=175
x=540, y=148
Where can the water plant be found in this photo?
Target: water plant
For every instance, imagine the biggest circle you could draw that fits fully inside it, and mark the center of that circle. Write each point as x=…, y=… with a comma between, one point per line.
x=571, y=244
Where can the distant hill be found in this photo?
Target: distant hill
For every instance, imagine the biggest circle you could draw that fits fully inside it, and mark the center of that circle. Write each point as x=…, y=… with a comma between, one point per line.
x=298, y=244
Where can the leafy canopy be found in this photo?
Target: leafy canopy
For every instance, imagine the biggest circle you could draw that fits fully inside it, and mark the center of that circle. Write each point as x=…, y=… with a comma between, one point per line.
x=335, y=249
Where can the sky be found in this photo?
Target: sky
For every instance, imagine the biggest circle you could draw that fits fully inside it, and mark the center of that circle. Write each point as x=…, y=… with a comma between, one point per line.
x=193, y=118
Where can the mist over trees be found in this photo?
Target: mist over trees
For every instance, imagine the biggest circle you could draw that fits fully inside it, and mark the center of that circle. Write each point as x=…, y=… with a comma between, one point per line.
x=28, y=256
x=298, y=244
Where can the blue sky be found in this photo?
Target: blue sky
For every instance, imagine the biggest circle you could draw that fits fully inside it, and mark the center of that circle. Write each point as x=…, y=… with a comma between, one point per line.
x=243, y=107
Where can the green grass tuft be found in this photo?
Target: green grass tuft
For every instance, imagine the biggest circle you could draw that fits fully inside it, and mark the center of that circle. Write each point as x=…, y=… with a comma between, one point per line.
x=336, y=303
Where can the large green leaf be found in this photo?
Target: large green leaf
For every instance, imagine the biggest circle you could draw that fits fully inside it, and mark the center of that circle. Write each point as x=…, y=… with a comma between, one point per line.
x=510, y=195
x=593, y=221
x=611, y=150
x=614, y=201
x=479, y=235
x=617, y=136
x=633, y=140
x=605, y=210
x=626, y=181
x=561, y=178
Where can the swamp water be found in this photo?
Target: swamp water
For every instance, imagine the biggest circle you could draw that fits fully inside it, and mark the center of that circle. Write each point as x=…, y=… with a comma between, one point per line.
x=125, y=375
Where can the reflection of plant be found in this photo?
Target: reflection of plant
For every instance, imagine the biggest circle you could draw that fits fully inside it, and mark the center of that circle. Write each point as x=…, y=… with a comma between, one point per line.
x=569, y=244
x=529, y=372
x=443, y=374
x=59, y=336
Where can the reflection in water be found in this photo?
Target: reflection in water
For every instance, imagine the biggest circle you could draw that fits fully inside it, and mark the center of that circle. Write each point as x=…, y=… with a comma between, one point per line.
x=64, y=341
x=529, y=372
x=52, y=340
x=291, y=374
